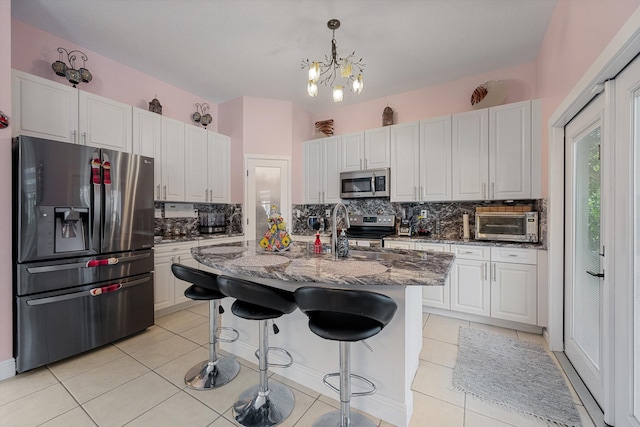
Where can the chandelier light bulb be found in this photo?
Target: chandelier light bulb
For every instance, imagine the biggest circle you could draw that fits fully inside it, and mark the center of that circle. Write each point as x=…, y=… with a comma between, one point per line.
x=337, y=93
x=314, y=72
x=358, y=84
x=312, y=88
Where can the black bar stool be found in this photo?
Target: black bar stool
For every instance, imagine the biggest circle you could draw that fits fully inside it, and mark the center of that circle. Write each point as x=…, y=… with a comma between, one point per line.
x=218, y=370
x=261, y=405
x=345, y=316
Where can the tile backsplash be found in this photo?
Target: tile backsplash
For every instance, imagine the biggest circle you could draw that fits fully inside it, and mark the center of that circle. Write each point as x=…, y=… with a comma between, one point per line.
x=443, y=220
x=190, y=226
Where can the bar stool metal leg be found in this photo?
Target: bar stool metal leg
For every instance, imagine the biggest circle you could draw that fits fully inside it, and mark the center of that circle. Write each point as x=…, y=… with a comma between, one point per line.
x=344, y=417
x=218, y=370
x=264, y=404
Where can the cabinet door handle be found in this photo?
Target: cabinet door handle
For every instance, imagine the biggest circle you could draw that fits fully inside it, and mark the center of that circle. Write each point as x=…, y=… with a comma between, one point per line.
x=422, y=195
x=84, y=138
x=323, y=197
x=360, y=163
x=493, y=190
x=494, y=272
x=319, y=196
x=158, y=192
x=74, y=136
x=415, y=193
x=485, y=271
x=165, y=192
x=211, y=195
x=365, y=163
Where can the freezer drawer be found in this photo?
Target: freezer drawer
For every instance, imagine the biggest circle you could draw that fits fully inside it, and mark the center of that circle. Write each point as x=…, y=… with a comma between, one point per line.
x=37, y=277
x=56, y=325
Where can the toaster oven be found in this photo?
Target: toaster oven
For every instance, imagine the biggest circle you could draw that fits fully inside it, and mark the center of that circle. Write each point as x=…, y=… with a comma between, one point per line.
x=507, y=226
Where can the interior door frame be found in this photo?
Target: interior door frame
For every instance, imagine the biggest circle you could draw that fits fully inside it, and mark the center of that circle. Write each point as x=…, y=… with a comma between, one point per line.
x=284, y=210
x=620, y=52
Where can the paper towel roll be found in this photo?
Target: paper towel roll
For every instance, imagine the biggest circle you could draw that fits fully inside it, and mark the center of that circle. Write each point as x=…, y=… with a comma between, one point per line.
x=465, y=226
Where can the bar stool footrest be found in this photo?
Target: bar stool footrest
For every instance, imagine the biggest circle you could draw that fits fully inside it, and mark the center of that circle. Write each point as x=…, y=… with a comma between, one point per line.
x=228, y=340
x=280, y=350
x=334, y=419
x=372, y=386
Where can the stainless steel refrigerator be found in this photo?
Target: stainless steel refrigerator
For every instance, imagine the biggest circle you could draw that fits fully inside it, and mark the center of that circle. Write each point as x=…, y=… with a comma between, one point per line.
x=83, y=257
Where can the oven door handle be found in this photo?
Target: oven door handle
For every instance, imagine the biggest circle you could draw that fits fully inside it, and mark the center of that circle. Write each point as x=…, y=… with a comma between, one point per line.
x=91, y=292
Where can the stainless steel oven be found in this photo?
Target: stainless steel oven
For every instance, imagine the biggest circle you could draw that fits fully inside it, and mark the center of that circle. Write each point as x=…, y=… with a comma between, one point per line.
x=369, y=230
x=367, y=183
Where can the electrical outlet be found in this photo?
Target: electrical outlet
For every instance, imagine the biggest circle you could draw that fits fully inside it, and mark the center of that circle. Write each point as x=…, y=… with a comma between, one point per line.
x=297, y=213
x=327, y=213
x=423, y=213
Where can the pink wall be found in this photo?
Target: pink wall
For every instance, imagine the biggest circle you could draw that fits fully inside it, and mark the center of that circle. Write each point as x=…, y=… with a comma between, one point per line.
x=432, y=101
x=267, y=126
x=35, y=50
x=576, y=36
x=303, y=129
x=6, y=306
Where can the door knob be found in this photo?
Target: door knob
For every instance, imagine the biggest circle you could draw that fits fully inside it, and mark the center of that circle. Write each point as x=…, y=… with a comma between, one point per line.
x=594, y=274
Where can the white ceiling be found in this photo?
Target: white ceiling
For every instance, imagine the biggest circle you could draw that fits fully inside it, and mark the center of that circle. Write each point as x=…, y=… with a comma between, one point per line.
x=223, y=49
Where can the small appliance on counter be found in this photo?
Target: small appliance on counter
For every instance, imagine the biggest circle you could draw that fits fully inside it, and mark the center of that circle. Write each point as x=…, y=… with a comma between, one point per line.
x=212, y=223
x=404, y=227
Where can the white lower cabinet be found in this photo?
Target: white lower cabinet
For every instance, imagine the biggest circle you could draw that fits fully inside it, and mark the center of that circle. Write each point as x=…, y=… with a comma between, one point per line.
x=169, y=290
x=496, y=282
x=470, y=290
x=514, y=285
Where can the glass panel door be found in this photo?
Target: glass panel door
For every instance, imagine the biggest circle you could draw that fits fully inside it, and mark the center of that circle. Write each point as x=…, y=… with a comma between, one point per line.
x=583, y=300
x=267, y=190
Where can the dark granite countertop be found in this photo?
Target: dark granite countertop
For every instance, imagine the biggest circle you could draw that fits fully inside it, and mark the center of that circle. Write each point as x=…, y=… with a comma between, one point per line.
x=161, y=240
x=428, y=239
x=365, y=266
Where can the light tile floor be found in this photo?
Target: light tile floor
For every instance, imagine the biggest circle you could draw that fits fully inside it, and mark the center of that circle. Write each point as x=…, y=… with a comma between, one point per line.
x=139, y=381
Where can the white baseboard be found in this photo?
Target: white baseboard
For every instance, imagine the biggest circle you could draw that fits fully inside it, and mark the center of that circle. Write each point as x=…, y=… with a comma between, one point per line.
x=377, y=405
x=7, y=368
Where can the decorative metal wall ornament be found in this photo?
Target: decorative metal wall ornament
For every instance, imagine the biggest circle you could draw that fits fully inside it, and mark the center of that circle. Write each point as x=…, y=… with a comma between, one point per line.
x=326, y=72
x=81, y=75
x=201, y=115
x=154, y=106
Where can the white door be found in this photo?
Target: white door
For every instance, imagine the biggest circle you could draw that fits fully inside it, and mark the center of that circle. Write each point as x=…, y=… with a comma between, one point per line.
x=627, y=247
x=267, y=190
x=584, y=319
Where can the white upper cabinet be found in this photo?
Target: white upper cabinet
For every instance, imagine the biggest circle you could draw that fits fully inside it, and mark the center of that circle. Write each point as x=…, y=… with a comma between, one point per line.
x=435, y=159
x=421, y=161
x=196, y=164
x=496, y=153
x=510, y=151
x=172, y=161
x=44, y=109
x=366, y=150
x=51, y=110
x=322, y=170
x=104, y=123
x=405, y=162
x=218, y=167
x=470, y=153
x=147, y=133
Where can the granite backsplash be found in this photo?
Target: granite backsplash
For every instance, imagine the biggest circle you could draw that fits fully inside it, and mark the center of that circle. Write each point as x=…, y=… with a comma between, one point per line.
x=443, y=220
x=190, y=226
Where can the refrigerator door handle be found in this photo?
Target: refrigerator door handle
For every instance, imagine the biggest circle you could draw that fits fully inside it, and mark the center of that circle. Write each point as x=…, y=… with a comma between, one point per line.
x=91, y=292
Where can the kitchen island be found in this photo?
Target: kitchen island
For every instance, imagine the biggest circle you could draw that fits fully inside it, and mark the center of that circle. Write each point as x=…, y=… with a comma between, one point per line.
x=393, y=361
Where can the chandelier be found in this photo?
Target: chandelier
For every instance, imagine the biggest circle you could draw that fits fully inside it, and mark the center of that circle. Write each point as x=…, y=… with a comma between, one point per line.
x=326, y=72
x=75, y=76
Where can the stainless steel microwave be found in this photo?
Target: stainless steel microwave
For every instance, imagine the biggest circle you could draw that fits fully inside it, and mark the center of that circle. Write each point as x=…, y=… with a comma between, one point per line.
x=507, y=226
x=366, y=183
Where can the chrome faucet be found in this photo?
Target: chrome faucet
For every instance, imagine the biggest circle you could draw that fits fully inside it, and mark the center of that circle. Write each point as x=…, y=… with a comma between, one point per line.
x=334, y=228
